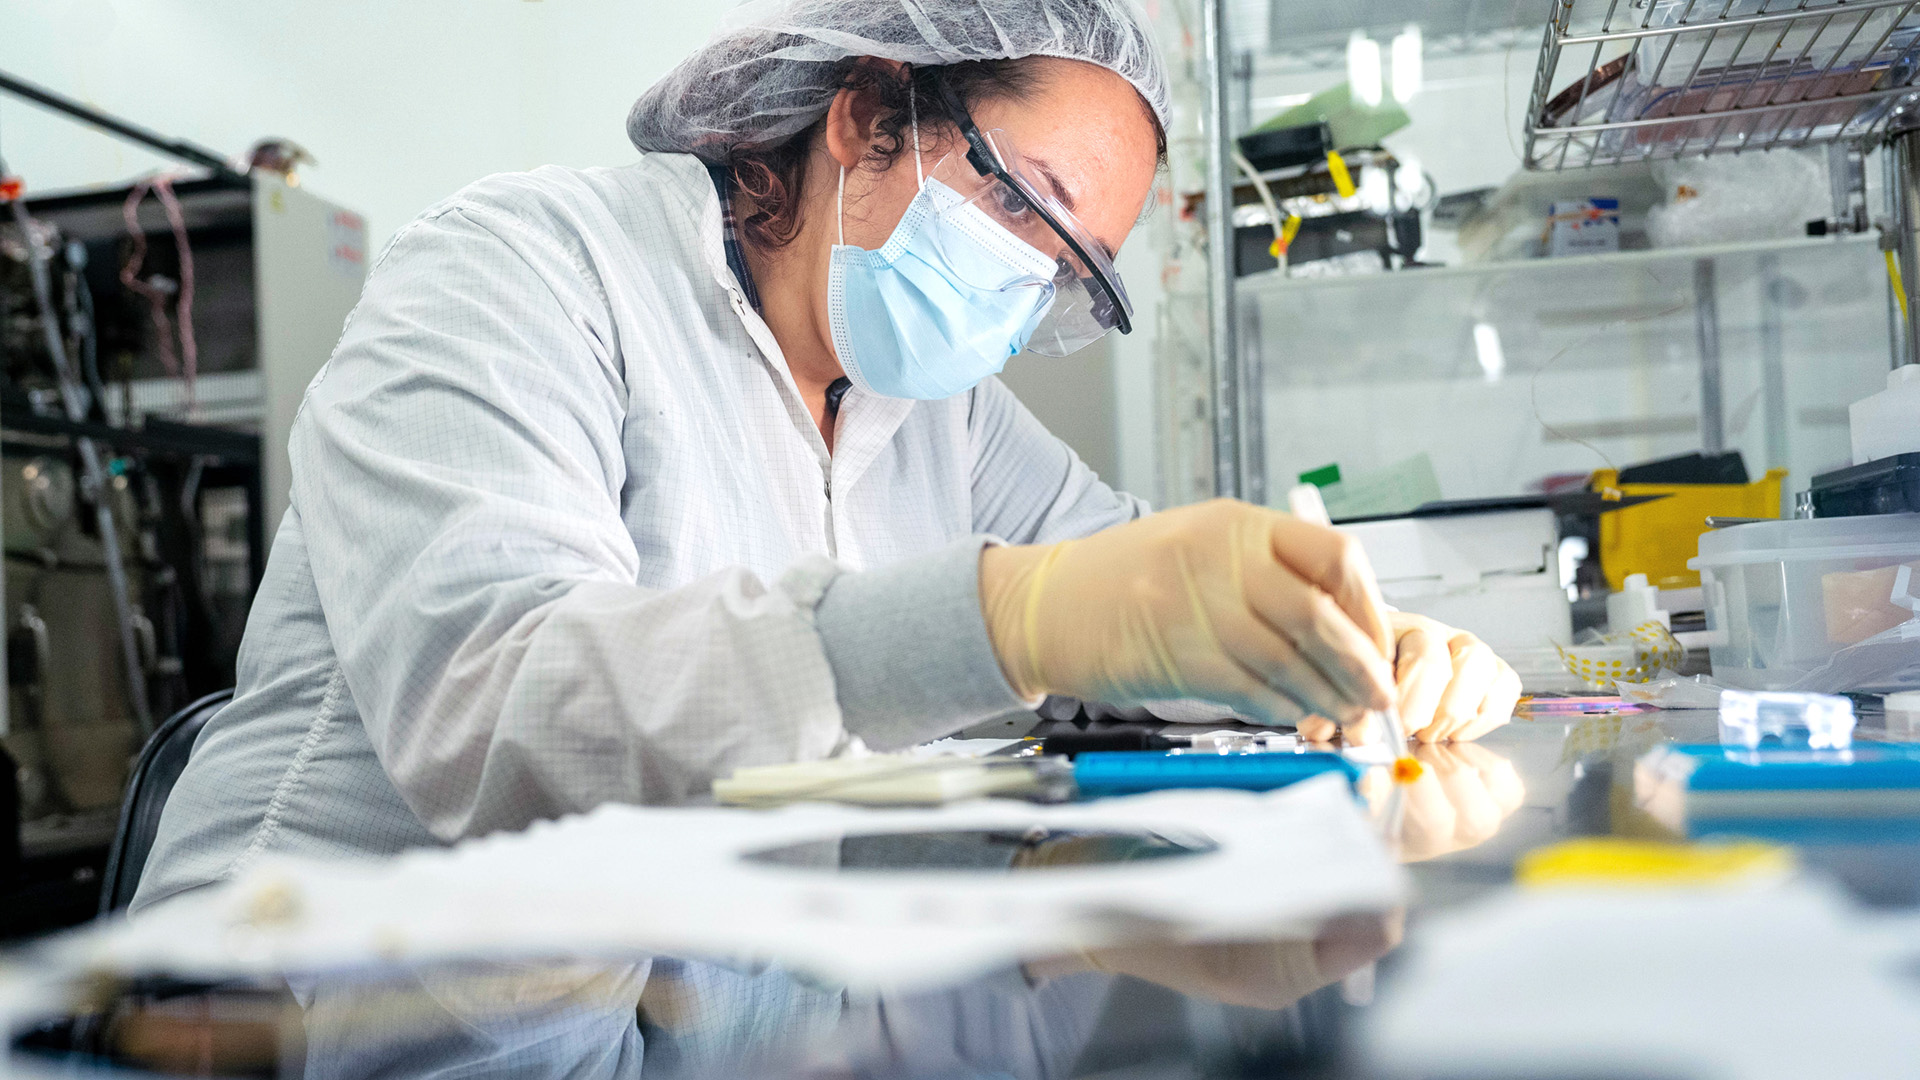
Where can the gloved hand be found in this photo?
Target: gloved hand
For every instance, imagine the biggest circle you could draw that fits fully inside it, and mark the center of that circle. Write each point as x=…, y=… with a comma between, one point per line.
x=1449, y=686
x=1236, y=604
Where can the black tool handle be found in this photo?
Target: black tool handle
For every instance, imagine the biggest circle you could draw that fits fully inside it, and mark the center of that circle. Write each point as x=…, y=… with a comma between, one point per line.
x=1087, y=742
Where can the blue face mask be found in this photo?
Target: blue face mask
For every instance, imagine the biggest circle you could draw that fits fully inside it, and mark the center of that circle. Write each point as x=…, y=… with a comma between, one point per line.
x=941, y=305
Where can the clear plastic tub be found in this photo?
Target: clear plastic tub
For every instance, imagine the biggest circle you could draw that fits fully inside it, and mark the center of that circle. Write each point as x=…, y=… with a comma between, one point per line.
x=1784, y=597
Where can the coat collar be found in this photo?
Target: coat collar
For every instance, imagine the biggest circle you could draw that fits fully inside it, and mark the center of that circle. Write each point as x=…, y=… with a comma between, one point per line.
x=867, y=422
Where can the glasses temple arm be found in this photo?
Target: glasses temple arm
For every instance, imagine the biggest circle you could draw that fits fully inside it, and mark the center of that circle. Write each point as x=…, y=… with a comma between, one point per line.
x=981, y=156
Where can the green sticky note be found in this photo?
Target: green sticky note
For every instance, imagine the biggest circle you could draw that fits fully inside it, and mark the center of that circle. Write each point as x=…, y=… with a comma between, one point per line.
x=1396, y=489
x=1322, y=476
x=1353, y=124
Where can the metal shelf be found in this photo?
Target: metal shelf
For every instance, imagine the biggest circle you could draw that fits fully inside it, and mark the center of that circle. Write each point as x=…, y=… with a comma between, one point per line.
x=1418, y=323
x=1638, y=80
x=1558, y=274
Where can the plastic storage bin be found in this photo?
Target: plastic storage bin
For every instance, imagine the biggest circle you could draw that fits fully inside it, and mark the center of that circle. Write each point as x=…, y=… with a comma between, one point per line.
x=1783, y=597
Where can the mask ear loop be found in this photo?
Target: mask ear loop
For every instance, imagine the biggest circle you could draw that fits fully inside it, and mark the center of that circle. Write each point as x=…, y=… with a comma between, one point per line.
x=919, y=174
x=913, y=116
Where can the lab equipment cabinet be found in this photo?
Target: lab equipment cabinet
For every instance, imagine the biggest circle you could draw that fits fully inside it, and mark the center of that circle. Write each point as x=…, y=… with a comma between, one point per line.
x=115, y=618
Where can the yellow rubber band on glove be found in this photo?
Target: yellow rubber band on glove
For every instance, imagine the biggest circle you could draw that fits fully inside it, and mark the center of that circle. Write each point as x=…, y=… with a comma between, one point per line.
x=1030, y=617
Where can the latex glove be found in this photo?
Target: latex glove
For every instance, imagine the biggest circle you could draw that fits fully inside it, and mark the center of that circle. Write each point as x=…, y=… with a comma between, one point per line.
x=1448, y=685
x=1459, y=800
x=1223, y=601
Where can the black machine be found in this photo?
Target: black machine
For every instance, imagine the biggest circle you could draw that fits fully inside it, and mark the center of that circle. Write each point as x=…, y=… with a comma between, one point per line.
x=1293, y=163
x=135, y=530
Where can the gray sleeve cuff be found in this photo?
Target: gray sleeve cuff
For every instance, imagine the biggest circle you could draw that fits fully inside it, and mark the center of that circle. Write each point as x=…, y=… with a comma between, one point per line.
x=909, y=649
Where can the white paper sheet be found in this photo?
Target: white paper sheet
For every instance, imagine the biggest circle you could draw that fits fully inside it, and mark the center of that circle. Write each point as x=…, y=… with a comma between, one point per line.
x=626, y=881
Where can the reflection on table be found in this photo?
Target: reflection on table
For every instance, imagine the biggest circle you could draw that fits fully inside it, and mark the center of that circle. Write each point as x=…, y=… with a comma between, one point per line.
x=669, y=1017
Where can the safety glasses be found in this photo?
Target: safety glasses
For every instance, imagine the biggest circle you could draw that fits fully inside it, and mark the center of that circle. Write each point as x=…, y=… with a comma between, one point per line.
x=1088, y=299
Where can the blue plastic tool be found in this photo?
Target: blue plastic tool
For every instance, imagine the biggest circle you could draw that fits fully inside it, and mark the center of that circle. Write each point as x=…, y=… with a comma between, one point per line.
x=1125, y=773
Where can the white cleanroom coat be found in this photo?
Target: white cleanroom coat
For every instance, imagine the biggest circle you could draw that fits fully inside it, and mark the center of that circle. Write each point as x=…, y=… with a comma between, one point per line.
x=562, y=532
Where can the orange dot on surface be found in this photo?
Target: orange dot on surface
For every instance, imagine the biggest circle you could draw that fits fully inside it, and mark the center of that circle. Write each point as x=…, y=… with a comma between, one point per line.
x=1406, y=770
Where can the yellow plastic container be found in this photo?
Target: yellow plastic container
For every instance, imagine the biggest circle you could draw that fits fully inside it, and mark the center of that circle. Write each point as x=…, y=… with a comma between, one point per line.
x=1657, y=538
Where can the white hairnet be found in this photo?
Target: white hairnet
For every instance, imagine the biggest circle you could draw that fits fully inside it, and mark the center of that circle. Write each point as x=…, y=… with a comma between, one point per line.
x=770, y=71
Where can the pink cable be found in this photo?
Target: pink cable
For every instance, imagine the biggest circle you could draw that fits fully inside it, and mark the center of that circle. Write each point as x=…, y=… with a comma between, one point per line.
x=183, y=307
x=188, y=364
x=130, y=277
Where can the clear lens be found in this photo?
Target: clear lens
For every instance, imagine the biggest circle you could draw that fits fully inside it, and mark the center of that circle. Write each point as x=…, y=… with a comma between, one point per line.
x=1081, y=314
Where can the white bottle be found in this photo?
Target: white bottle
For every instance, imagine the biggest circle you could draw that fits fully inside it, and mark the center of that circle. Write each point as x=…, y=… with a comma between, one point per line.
x=1888, y=423
x=1636, y=604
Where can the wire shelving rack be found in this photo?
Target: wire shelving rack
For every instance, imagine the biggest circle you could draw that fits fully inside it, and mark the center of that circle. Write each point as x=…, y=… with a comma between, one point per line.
x=1637, y=80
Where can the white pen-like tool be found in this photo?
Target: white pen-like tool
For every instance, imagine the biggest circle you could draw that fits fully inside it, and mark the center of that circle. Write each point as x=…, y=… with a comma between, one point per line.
x=1305, y=503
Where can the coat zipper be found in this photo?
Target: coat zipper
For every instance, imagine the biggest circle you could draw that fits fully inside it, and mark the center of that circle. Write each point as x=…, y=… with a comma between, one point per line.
x=832, y=547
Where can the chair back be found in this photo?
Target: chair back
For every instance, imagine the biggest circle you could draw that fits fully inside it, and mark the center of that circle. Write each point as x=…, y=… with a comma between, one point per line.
x=160, y=765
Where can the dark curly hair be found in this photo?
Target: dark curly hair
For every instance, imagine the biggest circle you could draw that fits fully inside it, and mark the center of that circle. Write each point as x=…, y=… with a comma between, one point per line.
x=771, y=176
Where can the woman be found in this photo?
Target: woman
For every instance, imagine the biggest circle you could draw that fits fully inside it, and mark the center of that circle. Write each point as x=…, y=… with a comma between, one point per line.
x=620, y=479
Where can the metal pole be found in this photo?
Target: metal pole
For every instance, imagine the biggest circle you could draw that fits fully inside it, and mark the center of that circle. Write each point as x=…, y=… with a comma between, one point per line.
x=1242, y=119
x=1890, y=245
x=1706, y=325
x=1774, y=294
x=87, y=114
x=1905, y=150
x=1225, y=360
x=93, y=473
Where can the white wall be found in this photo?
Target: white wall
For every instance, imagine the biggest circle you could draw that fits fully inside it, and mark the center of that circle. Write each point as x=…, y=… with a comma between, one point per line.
x=1135, y=403
x=1101, y=399
x=402, y=101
